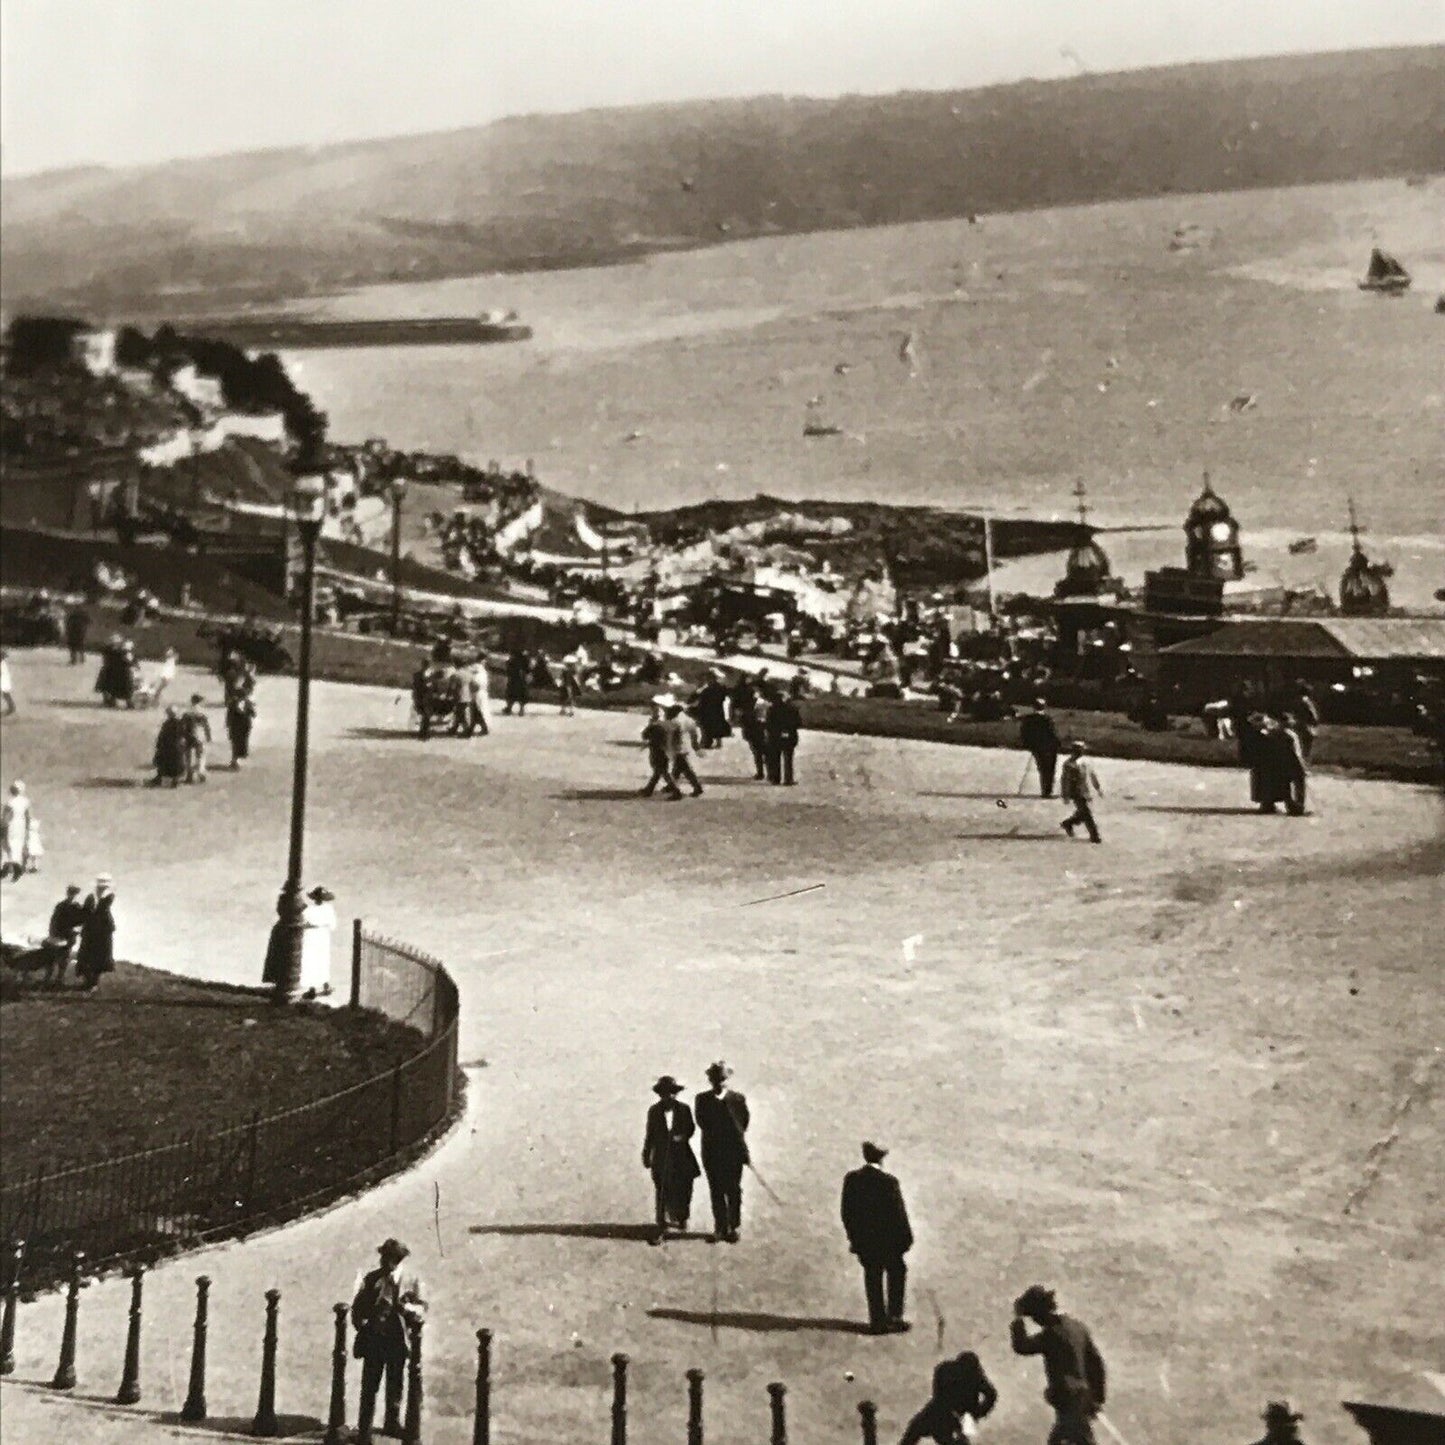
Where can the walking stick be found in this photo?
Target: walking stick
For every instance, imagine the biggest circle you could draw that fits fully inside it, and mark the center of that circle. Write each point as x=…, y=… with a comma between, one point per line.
x=1024, y=776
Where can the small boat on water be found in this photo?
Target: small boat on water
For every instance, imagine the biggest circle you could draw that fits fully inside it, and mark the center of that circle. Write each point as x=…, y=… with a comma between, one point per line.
x=1385, y=275
x=816, y=424
x=296, y=332
x=1303, y=547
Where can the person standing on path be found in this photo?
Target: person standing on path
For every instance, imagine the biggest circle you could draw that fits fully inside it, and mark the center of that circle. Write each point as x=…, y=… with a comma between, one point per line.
x=744, y=702
x=96, y=954
x=386, y=1300
x=781, y=731
x=519, y=682
x=7, y=684
x=318, y=923
x=875, y=1219
x=67, y=918
x=667, y=1155
x=478, y=701
x=1079, y=785
x=655, y=736
x=1041, y=738
x=196, y=734
x=77, y=629
x=682, y=744
x=1281, y=1424
x=240, y=719
x=723, y=1118
x=1073, y=1366
x=170, y=749
x=711, y=707
x=17, y=820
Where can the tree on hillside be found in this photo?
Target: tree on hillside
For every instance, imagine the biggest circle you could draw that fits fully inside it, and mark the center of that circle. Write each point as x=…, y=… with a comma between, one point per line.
x=33, y=343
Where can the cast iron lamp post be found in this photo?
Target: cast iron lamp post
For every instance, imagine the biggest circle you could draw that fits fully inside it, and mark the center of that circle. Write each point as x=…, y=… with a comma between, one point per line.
x=398, y=493
x=283, y=955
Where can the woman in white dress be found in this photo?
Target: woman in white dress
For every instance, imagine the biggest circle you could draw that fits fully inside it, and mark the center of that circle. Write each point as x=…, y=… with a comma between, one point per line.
x=19, y=828
x=319, y=922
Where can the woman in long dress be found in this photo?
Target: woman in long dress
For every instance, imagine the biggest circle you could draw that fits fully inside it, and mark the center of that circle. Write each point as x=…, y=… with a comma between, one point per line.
x=18, y=828
x=319, y=922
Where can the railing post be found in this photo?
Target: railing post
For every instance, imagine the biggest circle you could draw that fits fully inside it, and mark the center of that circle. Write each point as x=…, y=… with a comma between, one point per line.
x=194, y=1409
x=265, y=1422
x=411, y=1428
x=776, y=1393
x=355, y=963
x=65, y=1369
x=129, y=1392
x=868, y=1414
x=694, y=1407
x=482, y=1424
x=12, y=1303
x=395, y=1110
x=252, y=1140
x=336, y=1416
x=619, y=1399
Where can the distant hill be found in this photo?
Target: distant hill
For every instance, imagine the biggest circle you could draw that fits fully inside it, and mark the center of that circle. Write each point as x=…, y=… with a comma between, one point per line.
x=601, y=186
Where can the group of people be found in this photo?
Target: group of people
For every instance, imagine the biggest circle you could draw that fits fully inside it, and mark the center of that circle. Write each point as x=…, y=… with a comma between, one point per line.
x=453, y=694
x=182, y=741
x=80, y=931
x=765, y=713
x=1078, y=780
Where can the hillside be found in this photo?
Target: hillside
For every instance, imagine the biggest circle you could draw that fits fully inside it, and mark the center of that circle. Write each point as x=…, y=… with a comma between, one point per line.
x=543, y=191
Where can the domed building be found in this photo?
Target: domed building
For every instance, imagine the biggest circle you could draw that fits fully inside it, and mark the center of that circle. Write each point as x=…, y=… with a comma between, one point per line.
x=1087, y=573
x=1364, y=590
x=1211, y=538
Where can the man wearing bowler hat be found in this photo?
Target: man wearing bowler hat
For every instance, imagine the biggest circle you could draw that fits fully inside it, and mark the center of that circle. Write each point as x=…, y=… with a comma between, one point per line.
x=667, y=1156
x=1073, y=1366
x=387, y=1299
x=1281, y=1424
x=875, y=1219
x=722, y=1115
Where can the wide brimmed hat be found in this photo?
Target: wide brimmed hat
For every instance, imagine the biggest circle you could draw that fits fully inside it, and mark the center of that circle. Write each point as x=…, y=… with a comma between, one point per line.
x=664, y=699
x=104, y=880
x=666, y=1085
x=322, y=895
x=392, y=1249
x=1280, y=1412
x=718, y=1071
x=873, y=1153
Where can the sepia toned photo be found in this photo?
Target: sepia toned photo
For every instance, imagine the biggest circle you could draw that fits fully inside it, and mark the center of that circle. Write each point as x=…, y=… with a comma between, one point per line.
x=722, y=722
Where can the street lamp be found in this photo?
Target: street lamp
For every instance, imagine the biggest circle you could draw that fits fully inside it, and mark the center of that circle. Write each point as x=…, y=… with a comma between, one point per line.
x=398, y=492
x=283, y=953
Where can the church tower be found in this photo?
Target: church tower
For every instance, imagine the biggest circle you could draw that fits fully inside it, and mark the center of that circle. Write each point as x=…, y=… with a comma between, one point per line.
x=1211, y=538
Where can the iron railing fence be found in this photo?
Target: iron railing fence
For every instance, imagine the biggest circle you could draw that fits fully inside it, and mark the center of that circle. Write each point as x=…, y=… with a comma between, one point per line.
x=262, y=1169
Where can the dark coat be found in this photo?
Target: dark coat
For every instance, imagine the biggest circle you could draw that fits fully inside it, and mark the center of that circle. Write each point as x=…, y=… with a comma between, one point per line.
x=655, y=736
x=783, y=721
x=117, y=676
x=962, y=1386
x=519, y=672
x=97, y=936
x=66, y=919
x=875, y=1218
x=1039, y=736
x=668, y=1154
x=724, y=1124
x=710, y=709
x=1073, y=1366
x=378, y=1317
x=170, y=754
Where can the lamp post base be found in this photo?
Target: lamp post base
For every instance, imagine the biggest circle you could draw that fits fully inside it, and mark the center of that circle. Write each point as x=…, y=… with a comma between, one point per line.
x=283, y=951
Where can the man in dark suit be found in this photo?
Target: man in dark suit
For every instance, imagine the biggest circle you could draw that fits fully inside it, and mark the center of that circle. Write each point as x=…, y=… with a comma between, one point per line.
x=875, y=1220
x=722, y=1115
x=781, y=725
x=667, y=1156
x=1041, y=738
x=388, y=1298
x=1073, y=1367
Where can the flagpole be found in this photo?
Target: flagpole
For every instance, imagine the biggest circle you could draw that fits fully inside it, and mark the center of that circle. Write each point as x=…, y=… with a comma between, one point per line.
x=988, y=563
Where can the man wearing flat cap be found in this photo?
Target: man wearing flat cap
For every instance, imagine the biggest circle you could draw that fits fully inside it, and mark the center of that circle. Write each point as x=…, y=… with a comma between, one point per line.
x=722, y=1116
x=1073, y=1366
x=387, y=1300
x=875, y=1219
x=667, y=1156
x=1281, y=1424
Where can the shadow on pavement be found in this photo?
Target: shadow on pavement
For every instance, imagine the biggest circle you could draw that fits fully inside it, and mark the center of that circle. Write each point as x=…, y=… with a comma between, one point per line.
x=597, y=795
x=996, y=794
x=109, y=782
x=1011, y=837
x=636, y=1233
x=761, y=1323
x=1187, y=812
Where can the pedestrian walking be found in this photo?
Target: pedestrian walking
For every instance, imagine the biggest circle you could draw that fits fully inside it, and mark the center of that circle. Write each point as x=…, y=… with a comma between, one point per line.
x=667, y=1155
x=1073, y=1366
x=387, y=1299
x=1293, y=764
x=1281, y=1424
x=77, y=629
x=170, y=749
x=875, y=1219
x=1307, y=716
x=96, y=954
x=519, y=682
x=62, y=938
x=710, y=705
x=240, y=719
x=962, y=1396
x=780, y=729
x=569, y=685
x=722, y=1119
x=1079, y=785
x=681, y=735
x=16, y=821
x=743, y=706
x=654, y=735
x=7, y=684
x=478, y=701
x=1040, y=738
x=195, y=738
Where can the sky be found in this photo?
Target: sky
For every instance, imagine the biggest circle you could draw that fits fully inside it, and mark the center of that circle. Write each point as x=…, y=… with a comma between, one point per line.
x=123, y=82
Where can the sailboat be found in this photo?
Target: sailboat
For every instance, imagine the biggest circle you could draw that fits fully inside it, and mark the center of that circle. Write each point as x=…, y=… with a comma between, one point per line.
x=1385, y=274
